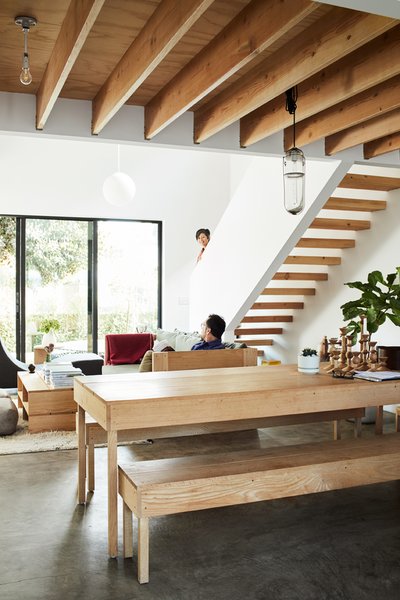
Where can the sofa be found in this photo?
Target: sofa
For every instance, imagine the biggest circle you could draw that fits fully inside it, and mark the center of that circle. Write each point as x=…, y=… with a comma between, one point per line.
x=122, y=349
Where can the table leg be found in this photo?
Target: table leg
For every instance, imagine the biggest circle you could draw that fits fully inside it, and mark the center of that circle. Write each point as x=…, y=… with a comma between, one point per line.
x=379, y=420
x=112, y=494
x=81, y=456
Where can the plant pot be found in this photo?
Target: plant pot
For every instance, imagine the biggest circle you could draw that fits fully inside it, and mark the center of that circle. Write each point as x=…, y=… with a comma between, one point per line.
x=308, y=364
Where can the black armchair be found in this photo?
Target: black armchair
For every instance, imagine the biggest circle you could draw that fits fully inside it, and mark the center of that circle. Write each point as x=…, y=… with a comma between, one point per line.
x=9, y=368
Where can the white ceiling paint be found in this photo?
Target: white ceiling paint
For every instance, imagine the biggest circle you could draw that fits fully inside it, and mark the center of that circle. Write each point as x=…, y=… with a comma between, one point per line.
x=387, y=8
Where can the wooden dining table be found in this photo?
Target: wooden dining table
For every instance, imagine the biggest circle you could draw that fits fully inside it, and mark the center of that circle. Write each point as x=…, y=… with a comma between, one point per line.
x=153, y=401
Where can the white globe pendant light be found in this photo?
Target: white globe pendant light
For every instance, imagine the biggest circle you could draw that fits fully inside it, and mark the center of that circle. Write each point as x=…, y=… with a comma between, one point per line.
x=119, y=189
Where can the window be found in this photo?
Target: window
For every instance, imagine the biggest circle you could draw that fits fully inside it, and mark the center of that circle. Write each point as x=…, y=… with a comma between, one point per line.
x=86, y=277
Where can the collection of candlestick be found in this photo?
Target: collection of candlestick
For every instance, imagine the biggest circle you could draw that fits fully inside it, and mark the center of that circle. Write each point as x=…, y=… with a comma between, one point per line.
x=343, y=359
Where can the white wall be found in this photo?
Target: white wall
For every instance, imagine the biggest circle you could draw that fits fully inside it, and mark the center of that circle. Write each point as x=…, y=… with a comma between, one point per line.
x=183, y=189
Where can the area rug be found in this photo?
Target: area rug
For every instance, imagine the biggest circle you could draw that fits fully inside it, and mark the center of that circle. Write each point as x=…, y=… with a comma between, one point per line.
x=22, y=441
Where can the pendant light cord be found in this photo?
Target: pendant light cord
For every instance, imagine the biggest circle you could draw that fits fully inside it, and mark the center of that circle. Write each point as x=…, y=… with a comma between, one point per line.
x=291, y=99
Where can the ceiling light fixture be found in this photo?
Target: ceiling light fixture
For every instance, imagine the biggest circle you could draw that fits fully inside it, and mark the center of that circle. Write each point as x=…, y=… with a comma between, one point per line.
x=26, y=23
x=293, y=164
x=119, y=189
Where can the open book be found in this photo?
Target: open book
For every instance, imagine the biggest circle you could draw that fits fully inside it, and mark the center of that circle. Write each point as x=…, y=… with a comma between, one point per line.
x=377, y=375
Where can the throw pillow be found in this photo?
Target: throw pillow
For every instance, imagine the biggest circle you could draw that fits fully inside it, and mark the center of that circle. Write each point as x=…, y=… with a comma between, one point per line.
x=185, y=341
x=146, y=364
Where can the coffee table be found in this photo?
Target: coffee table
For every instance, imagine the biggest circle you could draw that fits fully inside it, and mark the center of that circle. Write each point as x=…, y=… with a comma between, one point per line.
x=46, y=408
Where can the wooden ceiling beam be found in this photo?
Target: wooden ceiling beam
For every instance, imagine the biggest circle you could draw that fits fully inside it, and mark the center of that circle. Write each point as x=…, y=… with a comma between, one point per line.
x=371, y=103
x=329, y=39
x=76, y=26
x=166, y=26
x=364, y=132
x=254, y=29
x=370, y=65
x=388, y=143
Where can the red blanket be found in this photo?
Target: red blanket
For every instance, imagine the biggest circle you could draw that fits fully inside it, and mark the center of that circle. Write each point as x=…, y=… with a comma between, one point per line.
x=126, y=348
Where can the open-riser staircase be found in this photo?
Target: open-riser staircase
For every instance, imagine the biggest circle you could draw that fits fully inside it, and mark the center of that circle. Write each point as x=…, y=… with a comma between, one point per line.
x=309, y=262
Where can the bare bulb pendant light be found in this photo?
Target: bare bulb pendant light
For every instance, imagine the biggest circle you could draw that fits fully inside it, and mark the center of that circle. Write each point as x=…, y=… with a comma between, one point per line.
x=293, y=164
x=25, y=23
x=119, y=189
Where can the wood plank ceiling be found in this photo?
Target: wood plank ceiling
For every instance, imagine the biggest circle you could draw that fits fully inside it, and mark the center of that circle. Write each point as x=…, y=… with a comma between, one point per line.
x=225, y=60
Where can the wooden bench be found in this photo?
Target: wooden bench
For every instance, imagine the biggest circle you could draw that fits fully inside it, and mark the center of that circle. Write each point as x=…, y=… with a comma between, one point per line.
x=169, y=486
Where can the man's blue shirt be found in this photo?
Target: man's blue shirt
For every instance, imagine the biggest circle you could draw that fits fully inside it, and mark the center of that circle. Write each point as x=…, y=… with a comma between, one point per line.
x=214, y=345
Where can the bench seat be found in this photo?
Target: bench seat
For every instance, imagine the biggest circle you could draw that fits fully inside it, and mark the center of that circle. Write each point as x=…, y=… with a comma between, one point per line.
x=95, y=434
x=169, y=486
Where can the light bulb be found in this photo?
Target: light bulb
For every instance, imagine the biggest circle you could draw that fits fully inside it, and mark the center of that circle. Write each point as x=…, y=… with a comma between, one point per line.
x=25, y=76
x=119, y=189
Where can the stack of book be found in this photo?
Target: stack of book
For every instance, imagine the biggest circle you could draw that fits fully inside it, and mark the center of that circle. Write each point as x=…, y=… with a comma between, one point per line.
x=60, y=375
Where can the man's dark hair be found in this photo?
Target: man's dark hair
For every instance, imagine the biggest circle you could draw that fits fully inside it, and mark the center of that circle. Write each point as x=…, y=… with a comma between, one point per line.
x=205, y=231
x=216, y=324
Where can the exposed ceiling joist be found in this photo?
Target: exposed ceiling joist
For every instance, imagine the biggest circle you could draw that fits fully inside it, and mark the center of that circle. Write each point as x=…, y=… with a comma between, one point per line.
x=76, y=26
x=256, y=27
x=169, y=22
x=364, y=132
x=383, y=145
x=371, y=103
x=332, y=37
x=375, y=62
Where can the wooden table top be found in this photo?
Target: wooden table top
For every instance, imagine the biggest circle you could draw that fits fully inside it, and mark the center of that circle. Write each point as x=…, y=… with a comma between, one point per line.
x=204, y=395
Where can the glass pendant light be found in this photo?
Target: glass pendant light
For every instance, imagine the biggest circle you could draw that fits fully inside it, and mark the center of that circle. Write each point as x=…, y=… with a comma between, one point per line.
x=294, y=163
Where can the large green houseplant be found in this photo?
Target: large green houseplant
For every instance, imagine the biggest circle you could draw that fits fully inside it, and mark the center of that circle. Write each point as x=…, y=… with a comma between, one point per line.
x=379, y=300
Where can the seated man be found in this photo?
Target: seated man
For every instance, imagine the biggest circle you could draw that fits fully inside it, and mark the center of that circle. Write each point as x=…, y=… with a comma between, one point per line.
x=211, y=332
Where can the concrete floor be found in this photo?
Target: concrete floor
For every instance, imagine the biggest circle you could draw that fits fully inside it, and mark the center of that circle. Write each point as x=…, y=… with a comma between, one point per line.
x=341, y=545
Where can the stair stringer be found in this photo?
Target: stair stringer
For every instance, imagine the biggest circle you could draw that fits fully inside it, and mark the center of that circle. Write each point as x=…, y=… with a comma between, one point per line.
x=254, y=237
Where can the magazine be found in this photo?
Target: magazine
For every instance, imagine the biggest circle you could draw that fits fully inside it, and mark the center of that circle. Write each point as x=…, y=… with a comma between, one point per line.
x=377, y=375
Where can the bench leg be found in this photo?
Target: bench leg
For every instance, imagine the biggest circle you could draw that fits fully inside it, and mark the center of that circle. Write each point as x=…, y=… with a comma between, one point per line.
x=357, y=427
x=90, y=466
x=337, y=430
x=398, y=419
x=127, y=531
x=143, y=550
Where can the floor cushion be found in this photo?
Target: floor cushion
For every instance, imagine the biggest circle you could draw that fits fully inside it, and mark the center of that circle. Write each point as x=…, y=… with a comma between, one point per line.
x=8, y=416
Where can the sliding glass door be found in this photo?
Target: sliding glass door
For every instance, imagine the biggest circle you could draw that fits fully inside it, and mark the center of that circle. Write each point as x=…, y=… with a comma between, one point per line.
x=56, y=281
x=8, y=304
x=128, y=277
x=80, y=278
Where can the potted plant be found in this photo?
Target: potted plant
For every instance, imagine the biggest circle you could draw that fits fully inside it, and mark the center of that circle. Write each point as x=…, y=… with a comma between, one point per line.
x=49, y=327
x=379, y=300
x=308, y=361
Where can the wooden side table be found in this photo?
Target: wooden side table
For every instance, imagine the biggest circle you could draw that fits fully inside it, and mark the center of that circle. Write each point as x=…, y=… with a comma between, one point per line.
x=46, y=408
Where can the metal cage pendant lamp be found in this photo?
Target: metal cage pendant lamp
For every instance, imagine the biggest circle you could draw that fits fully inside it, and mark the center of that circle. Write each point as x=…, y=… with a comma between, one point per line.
x=294, y=163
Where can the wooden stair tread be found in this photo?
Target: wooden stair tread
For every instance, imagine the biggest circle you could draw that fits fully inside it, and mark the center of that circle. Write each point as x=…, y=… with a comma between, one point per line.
x=258, y=331
x=313, y=260
x=325, y=243
x=340, y=224
x=268, y=319
x=288, y=292
x=354, y=205
x=276, y=305
x=369, y=182
x=290, y=276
